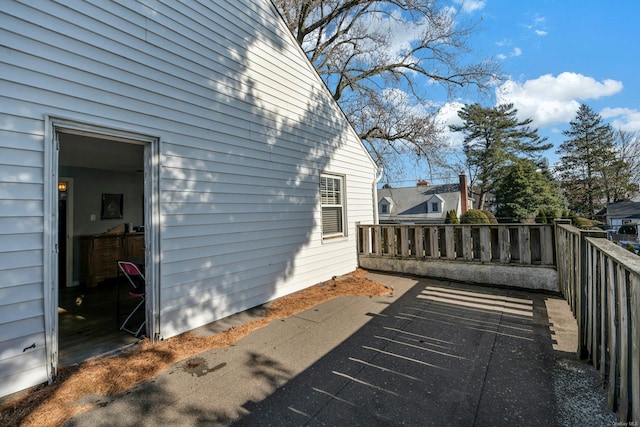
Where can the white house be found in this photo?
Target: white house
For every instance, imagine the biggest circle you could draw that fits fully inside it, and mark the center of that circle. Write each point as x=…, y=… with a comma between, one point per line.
x=620, y=213
x=422, y=204
x=201, y=123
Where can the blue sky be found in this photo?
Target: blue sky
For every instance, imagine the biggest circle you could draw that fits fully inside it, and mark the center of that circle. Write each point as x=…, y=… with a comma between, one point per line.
x=556, y=55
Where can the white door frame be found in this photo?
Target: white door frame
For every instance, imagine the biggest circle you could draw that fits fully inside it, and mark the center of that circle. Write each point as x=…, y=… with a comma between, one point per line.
x=54, y=126
x=69, y=236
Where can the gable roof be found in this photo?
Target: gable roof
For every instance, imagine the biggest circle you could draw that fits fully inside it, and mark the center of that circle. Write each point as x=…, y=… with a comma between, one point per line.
x=623, y=210
x=409, y=204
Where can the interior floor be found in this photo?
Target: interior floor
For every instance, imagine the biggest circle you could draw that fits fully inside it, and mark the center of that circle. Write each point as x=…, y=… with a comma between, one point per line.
x=89, y=320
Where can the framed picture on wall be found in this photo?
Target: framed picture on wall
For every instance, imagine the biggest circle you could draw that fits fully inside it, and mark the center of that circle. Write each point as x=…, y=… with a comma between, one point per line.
x=111, y=206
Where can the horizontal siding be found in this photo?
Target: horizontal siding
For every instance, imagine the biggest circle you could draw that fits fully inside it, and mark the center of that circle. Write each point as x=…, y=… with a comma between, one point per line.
x=125, y=79
x=21, y=372
x=21, y=251
x=19, y=329
x=246, y=128
x=28, y=345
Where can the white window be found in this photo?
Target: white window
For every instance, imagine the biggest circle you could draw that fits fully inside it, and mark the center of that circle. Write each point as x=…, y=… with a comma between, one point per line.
x=332, y=200
x=384, y=208
x=435, y=207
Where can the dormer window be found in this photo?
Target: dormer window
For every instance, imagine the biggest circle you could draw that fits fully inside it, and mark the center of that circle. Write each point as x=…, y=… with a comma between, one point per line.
x=384, y=206
x=435, y=204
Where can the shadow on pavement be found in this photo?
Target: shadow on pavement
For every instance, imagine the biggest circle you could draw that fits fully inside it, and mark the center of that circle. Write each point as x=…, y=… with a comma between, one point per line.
x=444, y=355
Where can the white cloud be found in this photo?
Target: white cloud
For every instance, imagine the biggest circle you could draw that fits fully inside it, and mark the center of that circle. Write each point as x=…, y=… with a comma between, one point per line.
x=623, y=118
x=448, y=115
x=554, y=99
x=400, y=33
x=536, y=24
x=516, y=51
x=539, y=20
x=469, y=6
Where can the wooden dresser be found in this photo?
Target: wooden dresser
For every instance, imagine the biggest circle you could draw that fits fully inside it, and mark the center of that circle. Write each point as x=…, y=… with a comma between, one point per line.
x=99, y=254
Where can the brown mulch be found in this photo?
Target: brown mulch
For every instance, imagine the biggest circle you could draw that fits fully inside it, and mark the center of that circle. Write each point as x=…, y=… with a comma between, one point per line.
x=52, y=405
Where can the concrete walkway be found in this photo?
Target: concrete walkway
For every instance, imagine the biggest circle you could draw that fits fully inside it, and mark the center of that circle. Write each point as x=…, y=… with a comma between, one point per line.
x=433, y=354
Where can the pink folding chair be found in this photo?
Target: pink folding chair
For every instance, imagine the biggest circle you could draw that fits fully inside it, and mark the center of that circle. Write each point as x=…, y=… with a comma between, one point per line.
x=132, y=272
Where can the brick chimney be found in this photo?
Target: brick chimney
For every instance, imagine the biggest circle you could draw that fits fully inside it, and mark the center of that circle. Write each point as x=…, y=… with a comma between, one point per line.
x=464, y=194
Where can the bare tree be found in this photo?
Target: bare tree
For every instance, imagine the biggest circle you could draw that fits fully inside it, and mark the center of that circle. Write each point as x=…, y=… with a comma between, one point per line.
x=629, y=151
x=382, y=60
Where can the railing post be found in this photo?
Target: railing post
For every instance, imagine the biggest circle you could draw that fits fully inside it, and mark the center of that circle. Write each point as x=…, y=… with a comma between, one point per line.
x=582, y=294
x=634, y=301
x=547, y=245
x=485, y=244
x=504, y=238
x=419, y=241
x=524, y=244
x=449, y=242
x=467, y=251
x=434, y=240
x=404, y=240
x=560, y=246
x=376, y=240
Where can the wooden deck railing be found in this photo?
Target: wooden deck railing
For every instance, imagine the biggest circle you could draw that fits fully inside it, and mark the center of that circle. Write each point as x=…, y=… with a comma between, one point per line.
x=601, y=283
x=495, y=254
x=530, y=244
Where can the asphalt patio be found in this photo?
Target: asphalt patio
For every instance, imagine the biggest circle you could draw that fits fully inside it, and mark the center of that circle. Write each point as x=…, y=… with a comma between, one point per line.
x=434, y=353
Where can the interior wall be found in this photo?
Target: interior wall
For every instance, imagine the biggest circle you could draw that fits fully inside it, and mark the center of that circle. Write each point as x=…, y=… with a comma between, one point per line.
x=89, y=185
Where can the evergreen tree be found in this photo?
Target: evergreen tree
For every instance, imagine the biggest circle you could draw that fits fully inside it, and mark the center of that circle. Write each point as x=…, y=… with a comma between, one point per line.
x=587, y=162
x=452, y=217
x=524, y=190
x=494, y=137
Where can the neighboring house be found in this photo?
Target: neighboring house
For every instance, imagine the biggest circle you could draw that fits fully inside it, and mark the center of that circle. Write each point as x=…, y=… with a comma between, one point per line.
x=621, y=213
x=489, y=201
x=201, y=123
x=422, y=204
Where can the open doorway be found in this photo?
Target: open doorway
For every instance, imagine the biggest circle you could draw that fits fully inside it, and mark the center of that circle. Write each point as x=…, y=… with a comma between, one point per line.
x=101, y=220
x=65, y=231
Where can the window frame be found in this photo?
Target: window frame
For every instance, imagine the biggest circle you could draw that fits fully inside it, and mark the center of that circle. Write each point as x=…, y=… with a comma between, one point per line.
x=342, y=205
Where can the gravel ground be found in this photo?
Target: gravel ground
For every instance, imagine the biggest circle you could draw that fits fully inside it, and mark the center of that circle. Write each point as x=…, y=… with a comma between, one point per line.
x=581, y=396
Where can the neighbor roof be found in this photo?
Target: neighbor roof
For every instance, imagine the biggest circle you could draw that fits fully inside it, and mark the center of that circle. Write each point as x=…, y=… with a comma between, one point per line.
x=409, y=203
x=624, y=210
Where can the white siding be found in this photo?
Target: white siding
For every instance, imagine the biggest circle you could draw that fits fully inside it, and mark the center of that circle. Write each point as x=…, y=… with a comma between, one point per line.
x=246, y=128
x=22, y=363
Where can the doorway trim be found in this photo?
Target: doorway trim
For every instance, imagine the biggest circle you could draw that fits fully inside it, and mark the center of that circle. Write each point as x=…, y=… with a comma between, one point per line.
x=53, y=127
x=69, y=237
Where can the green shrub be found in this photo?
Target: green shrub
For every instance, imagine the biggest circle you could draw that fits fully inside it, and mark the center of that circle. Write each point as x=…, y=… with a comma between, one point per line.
x=474, y=216
x=543, y=217
x=582, y=222
x=491, y=216
x=452, y=217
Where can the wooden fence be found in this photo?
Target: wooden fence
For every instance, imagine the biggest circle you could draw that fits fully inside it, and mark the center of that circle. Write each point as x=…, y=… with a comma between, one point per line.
x=493, y=254
x=601, y=283
x=528, y=244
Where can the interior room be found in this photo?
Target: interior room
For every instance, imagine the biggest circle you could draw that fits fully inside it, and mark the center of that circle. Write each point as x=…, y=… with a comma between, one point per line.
x=100, y=222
